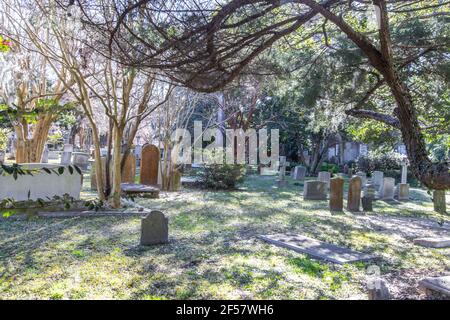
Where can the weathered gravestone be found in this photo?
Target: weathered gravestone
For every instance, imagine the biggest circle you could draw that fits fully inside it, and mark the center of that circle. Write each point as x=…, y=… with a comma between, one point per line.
x=315, y=190
x=387, y=190
x=433, y=285
x=281, y=181
x=129, y=169
x=378, y=290
x=377, y=178
x=81, y=160
x=66, y=158
x=402, y=191
x=325, y=176
x=317, y=249
x=368, y=197
x=436, y=242
x=354, y=194
x=154, y=229
x=439, y=201
x=336, y=194
x=299, y=173
x=150, y=165
x=363, y=177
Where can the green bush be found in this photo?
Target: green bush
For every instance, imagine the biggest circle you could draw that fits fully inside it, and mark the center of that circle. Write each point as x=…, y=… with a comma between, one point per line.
x=221, y=176
x=329, y=167
x=379, y=162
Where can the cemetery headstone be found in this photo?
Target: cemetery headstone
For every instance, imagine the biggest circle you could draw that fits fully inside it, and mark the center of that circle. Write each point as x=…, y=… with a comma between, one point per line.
x=363, y=177
x=354, y=194
x=368, y=197
x=436, y=285
x=387, y=190
x=281, y=181
x=377, y=178
x=81, y=160
x=154, y=229
x=129, y=169
x=325, y=176
x=379, y=290
x=66, y=158
x=336, y=194
x=439, y=203
x=402, y=191
x=315, y=190
x=299, y=173
x=150, y=165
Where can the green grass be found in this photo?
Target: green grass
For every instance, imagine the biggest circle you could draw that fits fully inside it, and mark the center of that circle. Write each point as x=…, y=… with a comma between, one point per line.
x=213, y=251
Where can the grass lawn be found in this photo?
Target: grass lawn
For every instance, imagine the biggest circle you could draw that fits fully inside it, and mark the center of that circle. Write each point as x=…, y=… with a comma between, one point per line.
x=213, y=251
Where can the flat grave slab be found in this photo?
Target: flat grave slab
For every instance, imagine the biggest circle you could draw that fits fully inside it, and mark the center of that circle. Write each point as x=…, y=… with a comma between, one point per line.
x=437, y=284
x=137, y=189
x=436, y=242
x=74, y=214
x=317, y=249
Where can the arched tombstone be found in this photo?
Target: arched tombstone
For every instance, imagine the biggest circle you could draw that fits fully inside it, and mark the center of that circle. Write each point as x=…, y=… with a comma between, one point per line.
x=154, y=229
x=354, y=194
x=129, y=169
x=149, y=165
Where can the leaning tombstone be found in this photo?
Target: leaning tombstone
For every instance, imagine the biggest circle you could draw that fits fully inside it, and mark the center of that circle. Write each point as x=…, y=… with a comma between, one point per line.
x=336, y=194
x=354, y=194
x=315, y=190
x=154, y=229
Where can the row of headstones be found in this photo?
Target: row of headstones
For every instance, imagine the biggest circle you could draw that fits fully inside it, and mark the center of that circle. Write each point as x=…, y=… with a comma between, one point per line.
x=317, y=190
x=149, y=168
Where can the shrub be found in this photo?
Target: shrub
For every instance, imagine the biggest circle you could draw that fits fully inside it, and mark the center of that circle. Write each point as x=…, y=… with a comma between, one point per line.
x=329, y=167
x=388, y=161
x=221, y=176
x=3, y=139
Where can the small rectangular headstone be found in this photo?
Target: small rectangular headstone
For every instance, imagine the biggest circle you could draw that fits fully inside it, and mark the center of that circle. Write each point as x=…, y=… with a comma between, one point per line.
x=387, y=190
x=299, y=173
x=325, y=176
x=315, y=190
x=317, y=249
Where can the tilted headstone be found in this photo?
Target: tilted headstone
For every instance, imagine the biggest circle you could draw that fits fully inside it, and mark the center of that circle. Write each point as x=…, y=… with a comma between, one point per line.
x=354, y=194
x=388, y=188
x=299, y=173
x=150, y=165
x=129, y=169
x=315, y=190
x=325, y=176
x=377, y=178
x=336, y=194
x=154, y=229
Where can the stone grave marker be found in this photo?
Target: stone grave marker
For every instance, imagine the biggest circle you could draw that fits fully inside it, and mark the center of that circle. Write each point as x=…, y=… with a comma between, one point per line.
x=402, y=191
x=66, y=158
x=377, y=178
x=299, y=173
x=337, y=194
x=315, y=190
x=129, y=169
x=281, y=181
x=354, y=194
x=81, y=160
x=387, y=190
x=325, y=176
x=363, y=177
x=437, y=242
x=150, y=165
x=368, y=197
x=317, y=249
x=154, y=229
x=440, y=285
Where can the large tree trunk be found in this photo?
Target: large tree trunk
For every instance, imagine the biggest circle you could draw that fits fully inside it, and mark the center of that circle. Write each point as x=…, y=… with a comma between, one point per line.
x=30, y=150
x=117, y=172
